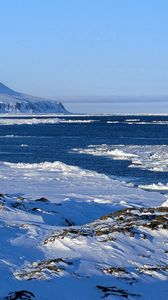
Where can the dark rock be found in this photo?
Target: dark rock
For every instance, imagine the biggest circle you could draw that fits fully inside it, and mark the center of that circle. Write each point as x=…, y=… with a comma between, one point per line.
x=114, y=291
x=43, y=199
x=23, y=295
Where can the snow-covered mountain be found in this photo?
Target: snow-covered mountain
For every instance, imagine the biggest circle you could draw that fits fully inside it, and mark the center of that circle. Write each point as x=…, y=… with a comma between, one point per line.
x=15, y=102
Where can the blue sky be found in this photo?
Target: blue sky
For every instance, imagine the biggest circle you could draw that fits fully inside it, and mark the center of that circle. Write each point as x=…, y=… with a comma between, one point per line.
x=85, y=47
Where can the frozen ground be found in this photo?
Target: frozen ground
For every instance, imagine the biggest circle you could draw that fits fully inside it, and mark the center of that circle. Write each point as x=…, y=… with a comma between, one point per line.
x=68, y=233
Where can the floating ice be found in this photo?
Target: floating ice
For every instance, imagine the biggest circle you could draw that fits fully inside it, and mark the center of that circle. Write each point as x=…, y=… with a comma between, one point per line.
x=31, y=121
x=150, y=157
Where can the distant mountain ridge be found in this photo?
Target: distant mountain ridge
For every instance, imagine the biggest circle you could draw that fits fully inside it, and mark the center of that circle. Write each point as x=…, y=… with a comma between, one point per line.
x=15, y=102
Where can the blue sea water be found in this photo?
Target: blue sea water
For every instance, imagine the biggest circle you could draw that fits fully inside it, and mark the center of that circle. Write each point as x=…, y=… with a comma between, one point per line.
x=55, y=142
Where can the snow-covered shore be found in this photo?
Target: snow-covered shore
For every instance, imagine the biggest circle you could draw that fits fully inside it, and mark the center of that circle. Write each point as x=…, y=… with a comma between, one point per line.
x=69, y=233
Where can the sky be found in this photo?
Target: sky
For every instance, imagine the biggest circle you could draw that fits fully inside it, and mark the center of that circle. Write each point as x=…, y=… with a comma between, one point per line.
x=85, y=48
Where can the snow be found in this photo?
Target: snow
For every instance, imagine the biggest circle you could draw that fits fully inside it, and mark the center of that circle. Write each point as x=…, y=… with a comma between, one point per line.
x=53, y=236
x=155, y=187
x=60, y=182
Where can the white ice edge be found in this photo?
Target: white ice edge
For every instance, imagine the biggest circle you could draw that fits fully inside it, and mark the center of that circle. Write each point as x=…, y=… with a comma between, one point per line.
x=31, y=121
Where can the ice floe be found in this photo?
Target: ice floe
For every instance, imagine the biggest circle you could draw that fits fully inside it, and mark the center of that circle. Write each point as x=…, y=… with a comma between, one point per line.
x=31, y=121
x=150, y=157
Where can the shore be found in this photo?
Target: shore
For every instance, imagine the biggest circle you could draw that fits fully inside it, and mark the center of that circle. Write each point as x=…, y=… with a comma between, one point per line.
x=62, y=226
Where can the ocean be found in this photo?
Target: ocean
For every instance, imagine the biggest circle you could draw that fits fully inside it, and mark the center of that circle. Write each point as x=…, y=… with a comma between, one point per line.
x=130, y=148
